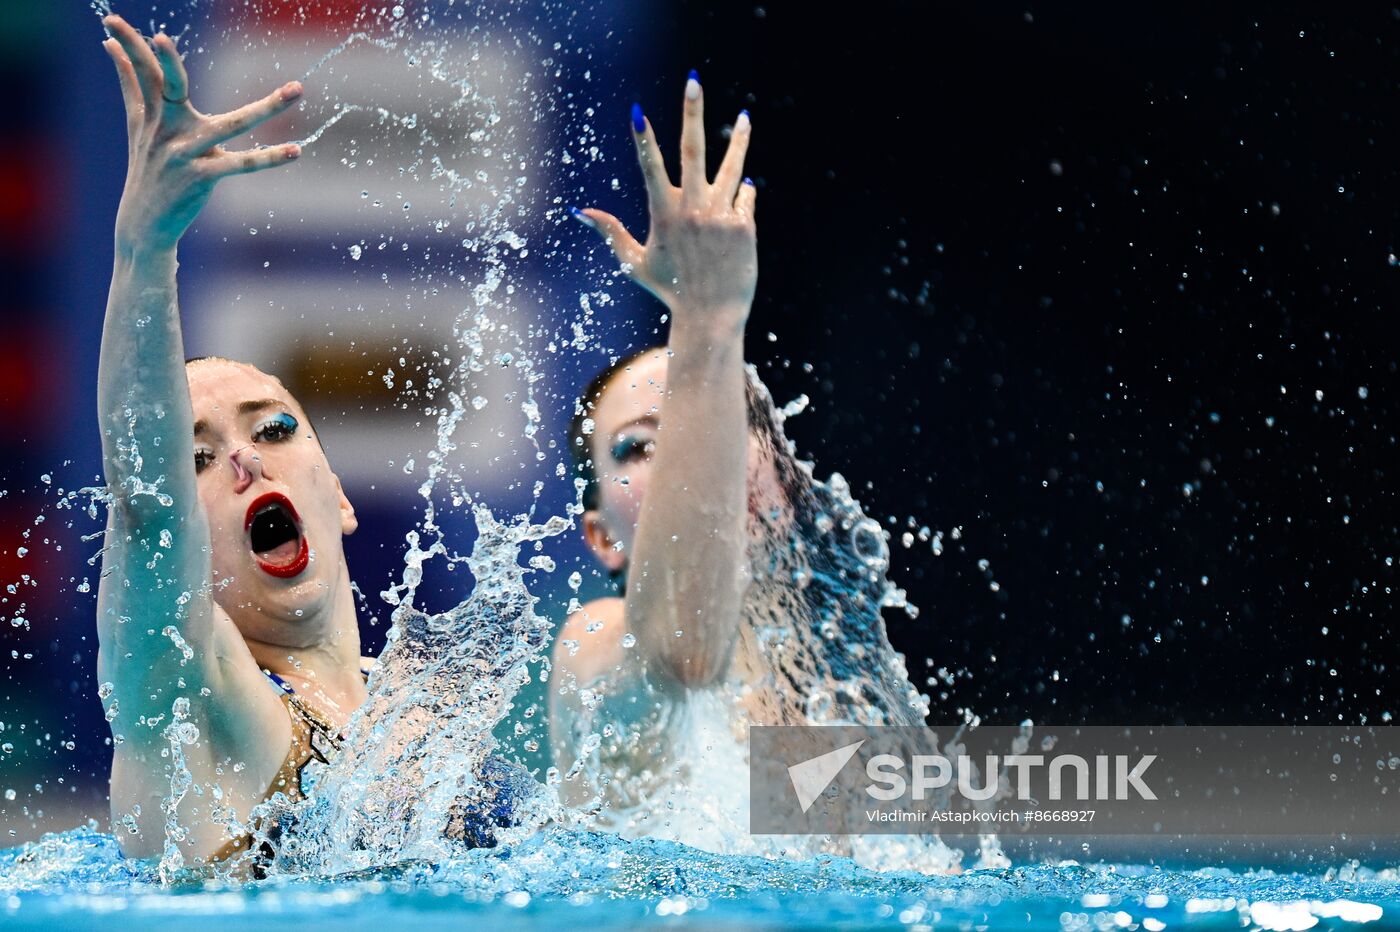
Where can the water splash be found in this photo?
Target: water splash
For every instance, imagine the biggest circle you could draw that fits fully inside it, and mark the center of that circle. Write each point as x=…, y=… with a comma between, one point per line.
x=180, y=733
x=417, y=753
x=341, y=113
x=350, y=40
x=579, y=879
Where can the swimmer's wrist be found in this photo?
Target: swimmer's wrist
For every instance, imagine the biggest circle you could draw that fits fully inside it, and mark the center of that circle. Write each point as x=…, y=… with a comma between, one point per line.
x=712, y=319
x=144, y=257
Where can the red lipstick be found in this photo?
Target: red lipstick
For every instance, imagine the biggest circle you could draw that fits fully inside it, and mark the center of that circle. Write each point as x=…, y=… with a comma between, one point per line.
x=299, y=562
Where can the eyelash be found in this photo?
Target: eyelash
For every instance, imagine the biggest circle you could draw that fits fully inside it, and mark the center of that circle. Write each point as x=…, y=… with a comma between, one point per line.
x=285, y=423
x=630, y=448
x=275, y=429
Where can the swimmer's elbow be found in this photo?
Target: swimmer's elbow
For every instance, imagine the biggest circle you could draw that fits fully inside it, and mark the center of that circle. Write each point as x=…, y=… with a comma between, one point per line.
x=694, y=676
x=695, y=669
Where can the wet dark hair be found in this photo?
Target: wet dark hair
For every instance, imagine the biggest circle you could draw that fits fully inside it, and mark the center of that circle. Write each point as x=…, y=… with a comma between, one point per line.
x=212, y=358
x=580, y=447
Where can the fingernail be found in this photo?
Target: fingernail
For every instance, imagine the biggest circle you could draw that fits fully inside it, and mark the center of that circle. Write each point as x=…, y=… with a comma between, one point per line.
x=293, y=151
x=748, y=181
x=744, y=118
x=639, y=120
x=694, y=76
x=692, y=86
x=291, y=90
x=580, y=216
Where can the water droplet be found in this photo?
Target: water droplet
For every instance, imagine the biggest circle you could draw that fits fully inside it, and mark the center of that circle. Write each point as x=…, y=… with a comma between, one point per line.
x=186, y=652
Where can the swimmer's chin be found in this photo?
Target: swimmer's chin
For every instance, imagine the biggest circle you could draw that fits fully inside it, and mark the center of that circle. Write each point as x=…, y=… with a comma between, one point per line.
x=298, y=601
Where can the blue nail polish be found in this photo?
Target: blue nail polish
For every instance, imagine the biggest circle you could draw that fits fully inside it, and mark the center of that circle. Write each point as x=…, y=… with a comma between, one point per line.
x=744, y=113
x=693, y=76
x=639, y=120
x=574, y=210
x=748, y=181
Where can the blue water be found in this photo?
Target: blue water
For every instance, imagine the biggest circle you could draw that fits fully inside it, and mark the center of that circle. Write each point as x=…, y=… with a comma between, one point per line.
x=78, y=880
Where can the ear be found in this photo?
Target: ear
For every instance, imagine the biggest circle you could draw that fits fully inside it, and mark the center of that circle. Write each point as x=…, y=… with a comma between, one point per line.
x=595, y=534
x=348, y=521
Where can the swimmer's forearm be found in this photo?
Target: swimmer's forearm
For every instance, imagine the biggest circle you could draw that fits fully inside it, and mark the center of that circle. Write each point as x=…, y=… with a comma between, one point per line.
x=142, y=394
x=689, y=564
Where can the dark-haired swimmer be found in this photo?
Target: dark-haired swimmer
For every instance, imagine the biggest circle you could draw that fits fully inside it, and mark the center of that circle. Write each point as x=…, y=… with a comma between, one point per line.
x=226, y=619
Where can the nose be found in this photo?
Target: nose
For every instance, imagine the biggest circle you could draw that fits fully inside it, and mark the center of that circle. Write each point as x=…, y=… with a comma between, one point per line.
x=247, y=466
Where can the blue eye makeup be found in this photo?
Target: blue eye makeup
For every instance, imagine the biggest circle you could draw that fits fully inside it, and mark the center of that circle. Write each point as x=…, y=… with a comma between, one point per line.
x=630, y=447
x=279, y=426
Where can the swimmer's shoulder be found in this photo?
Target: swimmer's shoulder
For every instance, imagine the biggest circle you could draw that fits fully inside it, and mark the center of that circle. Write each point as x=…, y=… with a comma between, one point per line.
x=589, y=644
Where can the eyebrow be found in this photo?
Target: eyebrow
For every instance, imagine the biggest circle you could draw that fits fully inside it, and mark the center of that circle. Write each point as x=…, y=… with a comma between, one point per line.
x=244, y=407
x=649, y=419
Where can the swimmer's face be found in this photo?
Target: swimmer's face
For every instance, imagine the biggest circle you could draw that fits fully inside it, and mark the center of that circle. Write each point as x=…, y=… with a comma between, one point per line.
x=276, y=511
x=627, y=419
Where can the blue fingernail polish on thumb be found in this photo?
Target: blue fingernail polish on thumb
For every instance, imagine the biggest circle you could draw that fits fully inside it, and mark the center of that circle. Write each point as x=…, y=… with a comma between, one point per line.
x=639, y=120
x=749, y=182
x=580, y=216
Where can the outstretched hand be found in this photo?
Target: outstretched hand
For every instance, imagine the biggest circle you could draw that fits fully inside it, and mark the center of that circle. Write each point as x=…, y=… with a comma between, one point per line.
x=701, y=252
x=175, y=153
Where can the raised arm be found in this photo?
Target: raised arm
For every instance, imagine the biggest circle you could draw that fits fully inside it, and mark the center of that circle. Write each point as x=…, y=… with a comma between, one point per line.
x=687, y=572
x=154, y=600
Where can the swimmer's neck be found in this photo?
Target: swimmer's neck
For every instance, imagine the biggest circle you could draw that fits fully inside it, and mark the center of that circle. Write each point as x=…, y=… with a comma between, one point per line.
x=327, y=670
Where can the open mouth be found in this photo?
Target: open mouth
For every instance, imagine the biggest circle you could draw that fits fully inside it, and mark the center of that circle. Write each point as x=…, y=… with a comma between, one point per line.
x=274, y=535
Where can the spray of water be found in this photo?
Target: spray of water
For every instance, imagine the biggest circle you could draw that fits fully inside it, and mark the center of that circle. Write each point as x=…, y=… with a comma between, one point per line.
x=416, y=775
